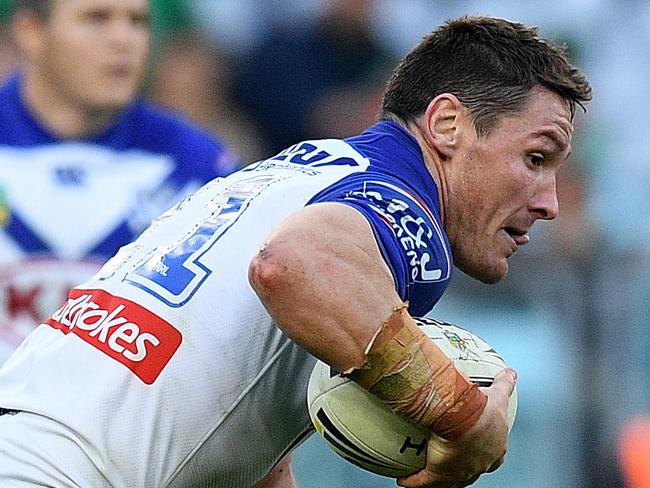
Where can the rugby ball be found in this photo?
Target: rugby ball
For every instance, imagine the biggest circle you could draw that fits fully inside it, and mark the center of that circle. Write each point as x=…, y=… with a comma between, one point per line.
x=363, y=430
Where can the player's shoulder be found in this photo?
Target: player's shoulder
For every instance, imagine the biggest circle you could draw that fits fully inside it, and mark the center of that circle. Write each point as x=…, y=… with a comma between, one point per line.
x=169, y=123
x=170, y=132
x=383, y=190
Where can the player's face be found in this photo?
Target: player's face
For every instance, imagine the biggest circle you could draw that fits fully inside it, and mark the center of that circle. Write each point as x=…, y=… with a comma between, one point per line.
x=506, y=181
x=94, y=52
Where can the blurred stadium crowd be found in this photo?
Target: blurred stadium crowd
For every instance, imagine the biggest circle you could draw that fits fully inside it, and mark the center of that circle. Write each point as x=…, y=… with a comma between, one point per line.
x=573, y=315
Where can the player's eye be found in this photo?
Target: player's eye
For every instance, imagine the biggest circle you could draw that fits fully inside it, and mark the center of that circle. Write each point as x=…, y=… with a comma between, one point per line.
x=98, y=16
x=536, y=159
x=141, y=19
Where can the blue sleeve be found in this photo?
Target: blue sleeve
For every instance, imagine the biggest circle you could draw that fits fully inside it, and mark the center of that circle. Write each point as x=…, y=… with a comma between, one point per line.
x=408, y=233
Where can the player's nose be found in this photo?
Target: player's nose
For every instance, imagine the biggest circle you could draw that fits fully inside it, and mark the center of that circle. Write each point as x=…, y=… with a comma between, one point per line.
x=544, y=202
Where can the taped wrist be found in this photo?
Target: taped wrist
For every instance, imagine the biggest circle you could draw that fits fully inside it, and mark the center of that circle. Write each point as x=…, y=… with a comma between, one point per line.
x=408, y=372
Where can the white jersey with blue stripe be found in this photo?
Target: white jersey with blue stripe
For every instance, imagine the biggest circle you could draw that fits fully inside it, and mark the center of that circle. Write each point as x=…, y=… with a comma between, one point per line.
x=166, y=366
x=68, y=206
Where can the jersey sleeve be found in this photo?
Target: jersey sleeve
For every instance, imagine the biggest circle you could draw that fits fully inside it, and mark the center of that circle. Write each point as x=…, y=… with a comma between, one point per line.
x=408, y=233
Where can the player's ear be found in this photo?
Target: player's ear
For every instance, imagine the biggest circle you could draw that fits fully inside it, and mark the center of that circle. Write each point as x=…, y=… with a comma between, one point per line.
x=27, y=33
x=443, y=123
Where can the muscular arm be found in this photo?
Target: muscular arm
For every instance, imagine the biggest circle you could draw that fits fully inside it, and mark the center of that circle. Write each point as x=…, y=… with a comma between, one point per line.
x=322, y=278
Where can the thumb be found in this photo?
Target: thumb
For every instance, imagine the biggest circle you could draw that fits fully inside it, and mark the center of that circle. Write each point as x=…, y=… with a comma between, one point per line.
x=505, y=381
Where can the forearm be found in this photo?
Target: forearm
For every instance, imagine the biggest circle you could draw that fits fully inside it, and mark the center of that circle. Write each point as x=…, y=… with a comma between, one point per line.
x=407, y=371
x=325, y=286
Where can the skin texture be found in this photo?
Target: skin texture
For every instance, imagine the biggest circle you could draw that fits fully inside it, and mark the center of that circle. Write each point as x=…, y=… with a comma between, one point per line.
x=84, y=63
x=309, y=274
x=280, y=477
x=494, y=188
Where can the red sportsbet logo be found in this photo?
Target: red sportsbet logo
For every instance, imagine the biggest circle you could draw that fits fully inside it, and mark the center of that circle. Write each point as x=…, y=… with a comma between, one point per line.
x=121, y=329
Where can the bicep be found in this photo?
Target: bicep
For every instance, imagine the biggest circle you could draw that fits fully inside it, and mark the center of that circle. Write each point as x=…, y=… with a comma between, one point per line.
x=324, y=281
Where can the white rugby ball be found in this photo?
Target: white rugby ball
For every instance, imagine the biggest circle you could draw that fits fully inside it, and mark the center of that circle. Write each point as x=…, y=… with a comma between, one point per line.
x=363, y=430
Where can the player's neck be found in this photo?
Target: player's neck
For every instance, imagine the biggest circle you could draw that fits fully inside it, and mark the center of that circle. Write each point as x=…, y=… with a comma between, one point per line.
x=433, y=163
x=61, y=116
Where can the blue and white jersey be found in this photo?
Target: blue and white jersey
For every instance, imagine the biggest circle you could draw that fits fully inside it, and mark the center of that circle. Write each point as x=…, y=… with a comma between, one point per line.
x=185, y=379
x=68, y=206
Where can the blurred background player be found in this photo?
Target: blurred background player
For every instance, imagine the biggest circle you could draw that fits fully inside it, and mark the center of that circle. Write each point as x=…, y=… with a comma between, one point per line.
x=85, y=163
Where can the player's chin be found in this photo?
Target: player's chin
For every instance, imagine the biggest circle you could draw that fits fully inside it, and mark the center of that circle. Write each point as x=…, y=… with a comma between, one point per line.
x=115, y=98
x=491, y=278
x=488, y=271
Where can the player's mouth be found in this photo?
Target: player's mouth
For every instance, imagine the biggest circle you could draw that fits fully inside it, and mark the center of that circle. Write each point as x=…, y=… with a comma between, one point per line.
x=518, y=234
x=119, y=70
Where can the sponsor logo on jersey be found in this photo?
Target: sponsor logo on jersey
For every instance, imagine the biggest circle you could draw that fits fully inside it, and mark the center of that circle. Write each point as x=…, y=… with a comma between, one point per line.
x=414, y=226
x=121, y=329
x=310, y=157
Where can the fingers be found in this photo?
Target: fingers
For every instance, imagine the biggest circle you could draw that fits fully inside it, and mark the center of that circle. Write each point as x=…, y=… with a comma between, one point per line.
x=505, y=381
x=496, y=464
x=460, y=463
x=426, y=478
x=421, y=478
x=431, y=480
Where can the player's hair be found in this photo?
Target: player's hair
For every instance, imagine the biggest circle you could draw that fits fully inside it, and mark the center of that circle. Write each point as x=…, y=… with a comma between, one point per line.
x=40, y=8
x=490, y=64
